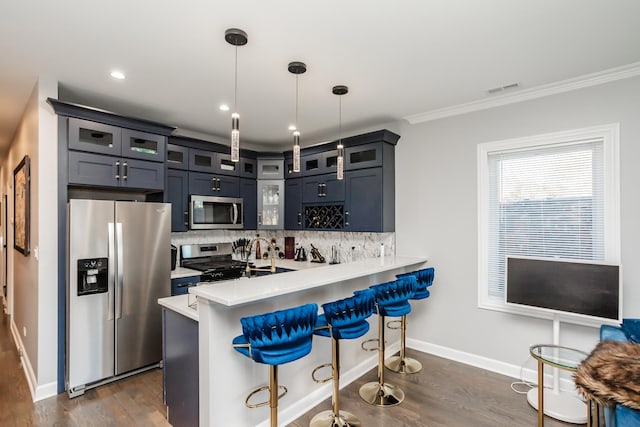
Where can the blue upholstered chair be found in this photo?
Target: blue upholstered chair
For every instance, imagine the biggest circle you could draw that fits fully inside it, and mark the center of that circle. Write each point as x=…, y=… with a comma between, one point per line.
x=341, y=320
x=618, y=415
x=392, y=299
x=274, y=339
x=401, y=363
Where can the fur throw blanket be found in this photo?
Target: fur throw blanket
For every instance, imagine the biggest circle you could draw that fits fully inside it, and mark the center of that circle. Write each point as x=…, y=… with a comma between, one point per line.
x=611, y=374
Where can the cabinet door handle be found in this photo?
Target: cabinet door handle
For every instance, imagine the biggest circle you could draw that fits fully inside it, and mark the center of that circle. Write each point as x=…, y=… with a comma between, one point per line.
x=346, y=218
x=299, y=218
x=218, y=185
x=117, y=169
x=324, y=189
x=186, y=218
x=259, y=219
x=126, y=170
x=213, y=184
x=319, y=190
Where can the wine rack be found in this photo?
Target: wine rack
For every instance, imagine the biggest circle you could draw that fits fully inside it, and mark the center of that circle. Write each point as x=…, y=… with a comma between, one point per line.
x=327, y=217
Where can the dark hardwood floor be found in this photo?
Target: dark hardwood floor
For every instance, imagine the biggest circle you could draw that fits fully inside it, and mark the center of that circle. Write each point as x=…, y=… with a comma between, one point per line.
x=445, y=393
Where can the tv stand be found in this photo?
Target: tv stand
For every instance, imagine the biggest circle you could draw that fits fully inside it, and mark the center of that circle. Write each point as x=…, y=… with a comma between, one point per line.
x=554, y=403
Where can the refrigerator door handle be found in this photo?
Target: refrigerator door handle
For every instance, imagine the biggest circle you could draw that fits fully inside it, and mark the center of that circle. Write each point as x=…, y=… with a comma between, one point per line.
x=120, y=270
x=112, y=266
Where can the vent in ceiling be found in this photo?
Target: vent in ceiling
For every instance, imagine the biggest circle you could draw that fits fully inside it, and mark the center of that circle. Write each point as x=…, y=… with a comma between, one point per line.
x=503, y=88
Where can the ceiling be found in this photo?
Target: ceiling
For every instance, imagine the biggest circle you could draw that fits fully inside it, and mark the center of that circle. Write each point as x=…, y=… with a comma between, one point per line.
x=398, y=58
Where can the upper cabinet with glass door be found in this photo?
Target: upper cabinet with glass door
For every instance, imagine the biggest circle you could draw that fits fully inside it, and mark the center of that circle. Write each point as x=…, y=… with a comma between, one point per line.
x=212, y=162
x=270, y=204
x=319, y=163
x=86, y=135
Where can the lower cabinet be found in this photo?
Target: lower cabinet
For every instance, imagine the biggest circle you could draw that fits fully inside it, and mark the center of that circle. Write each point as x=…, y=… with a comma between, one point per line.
x=108, y=171
x=180, y=368
x=178, y=196
x=181, y=285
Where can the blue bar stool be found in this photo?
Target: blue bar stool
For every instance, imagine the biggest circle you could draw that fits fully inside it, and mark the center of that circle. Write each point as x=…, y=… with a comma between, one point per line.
x=342, y=320
x=273, y=339
x=402, y=364
x=392, y=299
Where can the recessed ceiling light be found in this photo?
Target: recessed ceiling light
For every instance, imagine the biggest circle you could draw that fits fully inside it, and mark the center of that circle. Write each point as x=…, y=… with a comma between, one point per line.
x=292, y=127
x=118, y=75
x=224, y=107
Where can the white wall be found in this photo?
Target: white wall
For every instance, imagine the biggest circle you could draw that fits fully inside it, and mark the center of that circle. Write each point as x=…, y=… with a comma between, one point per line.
x=33, y=281
x=436, y=215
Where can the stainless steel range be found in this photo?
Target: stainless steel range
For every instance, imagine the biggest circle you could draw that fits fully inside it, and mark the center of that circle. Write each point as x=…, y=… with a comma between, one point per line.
x=214, y=260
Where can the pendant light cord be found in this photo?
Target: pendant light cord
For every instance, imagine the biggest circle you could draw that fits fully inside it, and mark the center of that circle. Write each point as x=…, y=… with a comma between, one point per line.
x=340, y=120
x=296, y=123
x=235, y=88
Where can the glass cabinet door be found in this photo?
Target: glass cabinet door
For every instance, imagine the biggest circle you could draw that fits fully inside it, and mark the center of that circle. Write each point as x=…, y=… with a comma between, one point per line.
x=270, y=204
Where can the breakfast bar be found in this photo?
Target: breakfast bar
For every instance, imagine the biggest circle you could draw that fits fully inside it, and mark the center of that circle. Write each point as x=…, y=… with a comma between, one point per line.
x=226, y=378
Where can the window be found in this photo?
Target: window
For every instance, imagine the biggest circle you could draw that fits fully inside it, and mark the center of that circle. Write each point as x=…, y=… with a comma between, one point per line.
x=553, y=195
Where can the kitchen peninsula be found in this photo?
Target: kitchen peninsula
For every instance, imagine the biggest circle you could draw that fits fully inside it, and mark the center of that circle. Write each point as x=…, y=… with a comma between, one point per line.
x=226, y=378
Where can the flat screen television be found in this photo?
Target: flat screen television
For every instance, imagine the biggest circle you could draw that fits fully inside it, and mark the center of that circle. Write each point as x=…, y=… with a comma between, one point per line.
x=573, y=289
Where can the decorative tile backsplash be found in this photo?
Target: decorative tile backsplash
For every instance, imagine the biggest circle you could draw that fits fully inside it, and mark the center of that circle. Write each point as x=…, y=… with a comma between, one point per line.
x=350, y=246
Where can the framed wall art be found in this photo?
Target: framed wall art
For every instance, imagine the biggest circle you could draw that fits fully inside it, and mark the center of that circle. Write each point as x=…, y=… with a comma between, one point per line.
x=21, y=204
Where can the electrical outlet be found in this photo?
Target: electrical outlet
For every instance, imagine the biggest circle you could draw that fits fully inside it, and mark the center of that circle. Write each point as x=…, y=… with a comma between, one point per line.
x=24, y=331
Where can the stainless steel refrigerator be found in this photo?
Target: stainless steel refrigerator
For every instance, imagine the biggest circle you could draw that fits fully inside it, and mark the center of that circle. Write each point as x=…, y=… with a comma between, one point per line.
x=119, y=264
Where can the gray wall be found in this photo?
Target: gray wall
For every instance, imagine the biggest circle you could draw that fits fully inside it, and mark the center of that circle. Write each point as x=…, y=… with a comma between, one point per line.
x=436, y=215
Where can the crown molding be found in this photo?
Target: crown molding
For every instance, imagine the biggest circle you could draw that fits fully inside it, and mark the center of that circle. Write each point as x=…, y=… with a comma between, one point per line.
x=587, y=80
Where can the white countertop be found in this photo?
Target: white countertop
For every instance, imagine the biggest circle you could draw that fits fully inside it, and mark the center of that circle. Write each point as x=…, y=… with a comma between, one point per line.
x=180, y=304
x=241, y=291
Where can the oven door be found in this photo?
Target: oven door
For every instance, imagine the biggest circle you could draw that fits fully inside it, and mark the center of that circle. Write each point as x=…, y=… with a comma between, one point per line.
x=206, y=213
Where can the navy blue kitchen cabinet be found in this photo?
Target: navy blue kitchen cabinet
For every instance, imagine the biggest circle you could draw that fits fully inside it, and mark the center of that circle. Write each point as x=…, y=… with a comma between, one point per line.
x=293, y=204
x=181, y=285
x=319, y=163
x=363, y=156
x=369, y=203
x=87, y=169
x=178, y=196
x=207, y=184
x=180, y=366
x=322, y=189
x=249, y=195
x=212, y=162
x=99, y=138
x=177, y=157
x=248, y=168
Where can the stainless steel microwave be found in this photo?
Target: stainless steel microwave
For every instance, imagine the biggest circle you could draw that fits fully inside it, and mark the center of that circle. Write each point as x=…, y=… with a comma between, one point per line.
x=207, y=212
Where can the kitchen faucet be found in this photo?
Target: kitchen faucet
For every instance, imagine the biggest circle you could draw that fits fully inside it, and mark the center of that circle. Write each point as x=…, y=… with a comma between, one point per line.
x=272, y=252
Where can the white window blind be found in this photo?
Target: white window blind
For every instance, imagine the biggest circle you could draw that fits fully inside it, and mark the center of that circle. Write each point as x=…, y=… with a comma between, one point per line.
x=546, y=201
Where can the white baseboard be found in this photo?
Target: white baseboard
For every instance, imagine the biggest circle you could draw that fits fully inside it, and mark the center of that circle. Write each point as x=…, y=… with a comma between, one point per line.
x=38, y=392
x=514, y=371
x=301, y=407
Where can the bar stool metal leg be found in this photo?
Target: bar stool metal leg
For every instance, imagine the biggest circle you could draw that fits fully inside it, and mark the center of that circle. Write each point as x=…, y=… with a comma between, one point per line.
x=335, y=417
x=403, y=364
x=378, y=393
x=273, y=394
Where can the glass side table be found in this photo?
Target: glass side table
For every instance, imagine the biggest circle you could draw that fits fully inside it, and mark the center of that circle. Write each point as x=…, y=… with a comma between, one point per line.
x=552, y=402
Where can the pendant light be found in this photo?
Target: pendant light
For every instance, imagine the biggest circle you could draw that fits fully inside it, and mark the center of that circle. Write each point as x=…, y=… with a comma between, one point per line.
x=235, y=37
x=340, y=90
x=296, y=68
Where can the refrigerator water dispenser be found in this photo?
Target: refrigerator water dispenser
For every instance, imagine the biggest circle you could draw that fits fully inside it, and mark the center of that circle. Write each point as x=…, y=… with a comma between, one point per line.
x=93, y=276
